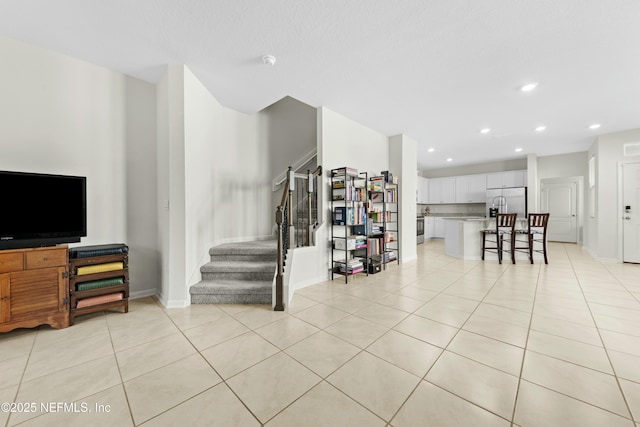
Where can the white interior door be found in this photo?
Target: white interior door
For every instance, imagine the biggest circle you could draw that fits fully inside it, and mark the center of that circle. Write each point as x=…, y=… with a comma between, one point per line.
x=631, y=212
x=560, y=200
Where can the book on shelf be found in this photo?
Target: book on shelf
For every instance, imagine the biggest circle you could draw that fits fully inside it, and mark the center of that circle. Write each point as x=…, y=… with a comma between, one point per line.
x=385, y=257
x=380, y=216
x=350, y=243
x=353, y=271
x=390, y=195
x=376, y=184
x=351, y=263
x=350, y=193
x=374, y=246
x=343, y=215
x=344, y=171
x=337, y=184
x=353, y=266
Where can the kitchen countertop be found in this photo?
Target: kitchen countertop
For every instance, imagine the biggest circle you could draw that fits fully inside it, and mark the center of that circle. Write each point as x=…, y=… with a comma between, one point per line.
x=460, y=217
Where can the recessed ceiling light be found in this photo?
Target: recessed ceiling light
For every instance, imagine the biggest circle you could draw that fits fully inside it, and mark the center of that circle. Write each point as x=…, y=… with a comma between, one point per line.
x=595, y=126
x=449, y=159
x=431, y=150
x=540, y=128
x=269, y=60
x=485, y=130
x=517, y=150
x=529, y=87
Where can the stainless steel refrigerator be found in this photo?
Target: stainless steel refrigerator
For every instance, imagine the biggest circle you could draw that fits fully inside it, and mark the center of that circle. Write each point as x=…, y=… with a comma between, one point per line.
x=507, y=200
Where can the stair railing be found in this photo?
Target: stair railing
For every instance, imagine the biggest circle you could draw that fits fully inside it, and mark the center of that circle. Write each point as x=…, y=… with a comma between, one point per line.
x=287, y=233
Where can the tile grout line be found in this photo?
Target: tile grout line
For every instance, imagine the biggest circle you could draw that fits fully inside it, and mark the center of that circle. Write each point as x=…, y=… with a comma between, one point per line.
x=361, y=350
x=449, y=342
x=615, y=375
x=24, y=371
x=621, y=283
x=222, y=380
x=524, y=352
x=124, y=389
x=205, y=359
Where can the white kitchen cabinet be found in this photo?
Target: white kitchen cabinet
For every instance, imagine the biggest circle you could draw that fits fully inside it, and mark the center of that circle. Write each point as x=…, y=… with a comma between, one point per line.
x=442, y=190
x=423, y=190
x=471, y=188
x=507, y=179
x=438, y=229
x=429, y=227
x=478, y=188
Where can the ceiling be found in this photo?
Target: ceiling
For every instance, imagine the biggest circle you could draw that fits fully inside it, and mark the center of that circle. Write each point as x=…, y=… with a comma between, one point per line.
x=437, y=71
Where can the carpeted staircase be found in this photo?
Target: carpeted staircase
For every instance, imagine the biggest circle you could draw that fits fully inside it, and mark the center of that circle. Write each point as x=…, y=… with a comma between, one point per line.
x=239, y=273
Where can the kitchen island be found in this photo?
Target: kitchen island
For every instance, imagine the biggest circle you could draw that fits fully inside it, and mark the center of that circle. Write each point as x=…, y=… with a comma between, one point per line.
x=463, y=238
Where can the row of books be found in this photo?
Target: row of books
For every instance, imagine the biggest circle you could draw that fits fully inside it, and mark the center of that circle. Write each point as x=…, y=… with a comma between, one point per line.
x=350, y=243
x=376, y=244
x=343, y=215
x=344, y=171
x=352, y=266
x=385, y=257
x=376, y=184
x=350, y=193
x=381, y=216
x=386, y=196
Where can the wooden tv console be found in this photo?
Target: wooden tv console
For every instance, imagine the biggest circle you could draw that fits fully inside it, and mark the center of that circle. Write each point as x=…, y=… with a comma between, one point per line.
x=34, y=288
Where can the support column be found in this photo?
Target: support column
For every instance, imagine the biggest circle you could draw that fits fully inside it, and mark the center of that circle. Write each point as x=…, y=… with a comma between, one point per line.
x=403, y=164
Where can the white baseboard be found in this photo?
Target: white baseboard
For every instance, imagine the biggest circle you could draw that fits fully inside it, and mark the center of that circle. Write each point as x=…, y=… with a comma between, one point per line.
x=615, y=260
x=413, y=258
x=171, y=303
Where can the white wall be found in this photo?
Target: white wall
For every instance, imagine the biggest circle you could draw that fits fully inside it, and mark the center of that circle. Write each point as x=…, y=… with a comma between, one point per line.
x=344, y=142
x=212, y=177
x=171, y=186
x=227, y=180
x=140, y=188
x=403, y=164
x=61, y=115
x=591, y=227
x=563, y=165
x=290, y=128
x=609, y=154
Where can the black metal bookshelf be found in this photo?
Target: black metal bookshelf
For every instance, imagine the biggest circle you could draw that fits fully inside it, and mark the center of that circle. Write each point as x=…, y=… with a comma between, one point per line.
x=349, y=211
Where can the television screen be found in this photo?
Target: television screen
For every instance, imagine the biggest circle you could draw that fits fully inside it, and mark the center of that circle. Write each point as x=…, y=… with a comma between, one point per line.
x=41, y=209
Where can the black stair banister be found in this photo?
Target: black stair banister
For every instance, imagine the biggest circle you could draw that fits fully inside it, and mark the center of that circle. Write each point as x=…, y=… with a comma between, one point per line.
x=288, y=229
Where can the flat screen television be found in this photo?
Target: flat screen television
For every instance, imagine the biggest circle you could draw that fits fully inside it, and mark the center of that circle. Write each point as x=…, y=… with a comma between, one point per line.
x=41, y=209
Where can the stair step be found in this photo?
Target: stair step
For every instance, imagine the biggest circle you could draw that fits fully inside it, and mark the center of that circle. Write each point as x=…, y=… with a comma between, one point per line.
x=238, y=273
x=238, y=266
x=231, y=292
x=260, y=247
x=239, y=270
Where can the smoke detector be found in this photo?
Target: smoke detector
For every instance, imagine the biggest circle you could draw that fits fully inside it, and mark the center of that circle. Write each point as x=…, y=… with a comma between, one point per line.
x=269, y=59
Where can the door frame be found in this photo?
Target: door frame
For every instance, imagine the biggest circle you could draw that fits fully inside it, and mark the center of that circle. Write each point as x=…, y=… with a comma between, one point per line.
x=579, y=181
x=620, y=209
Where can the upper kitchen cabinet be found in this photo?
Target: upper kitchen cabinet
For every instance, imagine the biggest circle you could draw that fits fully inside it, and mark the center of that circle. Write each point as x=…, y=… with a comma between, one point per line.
x=507, y=179
x=471, y=188
x=442, y=190
x=422, y=194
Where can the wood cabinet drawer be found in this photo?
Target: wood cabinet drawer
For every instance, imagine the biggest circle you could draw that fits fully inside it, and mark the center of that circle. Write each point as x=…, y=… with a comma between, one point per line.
x=46, y=258
x=11, y=262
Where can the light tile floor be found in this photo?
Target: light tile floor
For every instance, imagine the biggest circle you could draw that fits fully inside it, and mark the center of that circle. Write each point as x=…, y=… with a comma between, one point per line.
x=437, y=342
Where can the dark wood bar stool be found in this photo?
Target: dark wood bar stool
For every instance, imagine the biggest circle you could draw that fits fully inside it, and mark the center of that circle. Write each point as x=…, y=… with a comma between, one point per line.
x=505, y=225
x=536, y=232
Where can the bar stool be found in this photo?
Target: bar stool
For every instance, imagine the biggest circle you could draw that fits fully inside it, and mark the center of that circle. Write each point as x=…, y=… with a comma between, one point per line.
x=505, y=224
x=536, y=232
